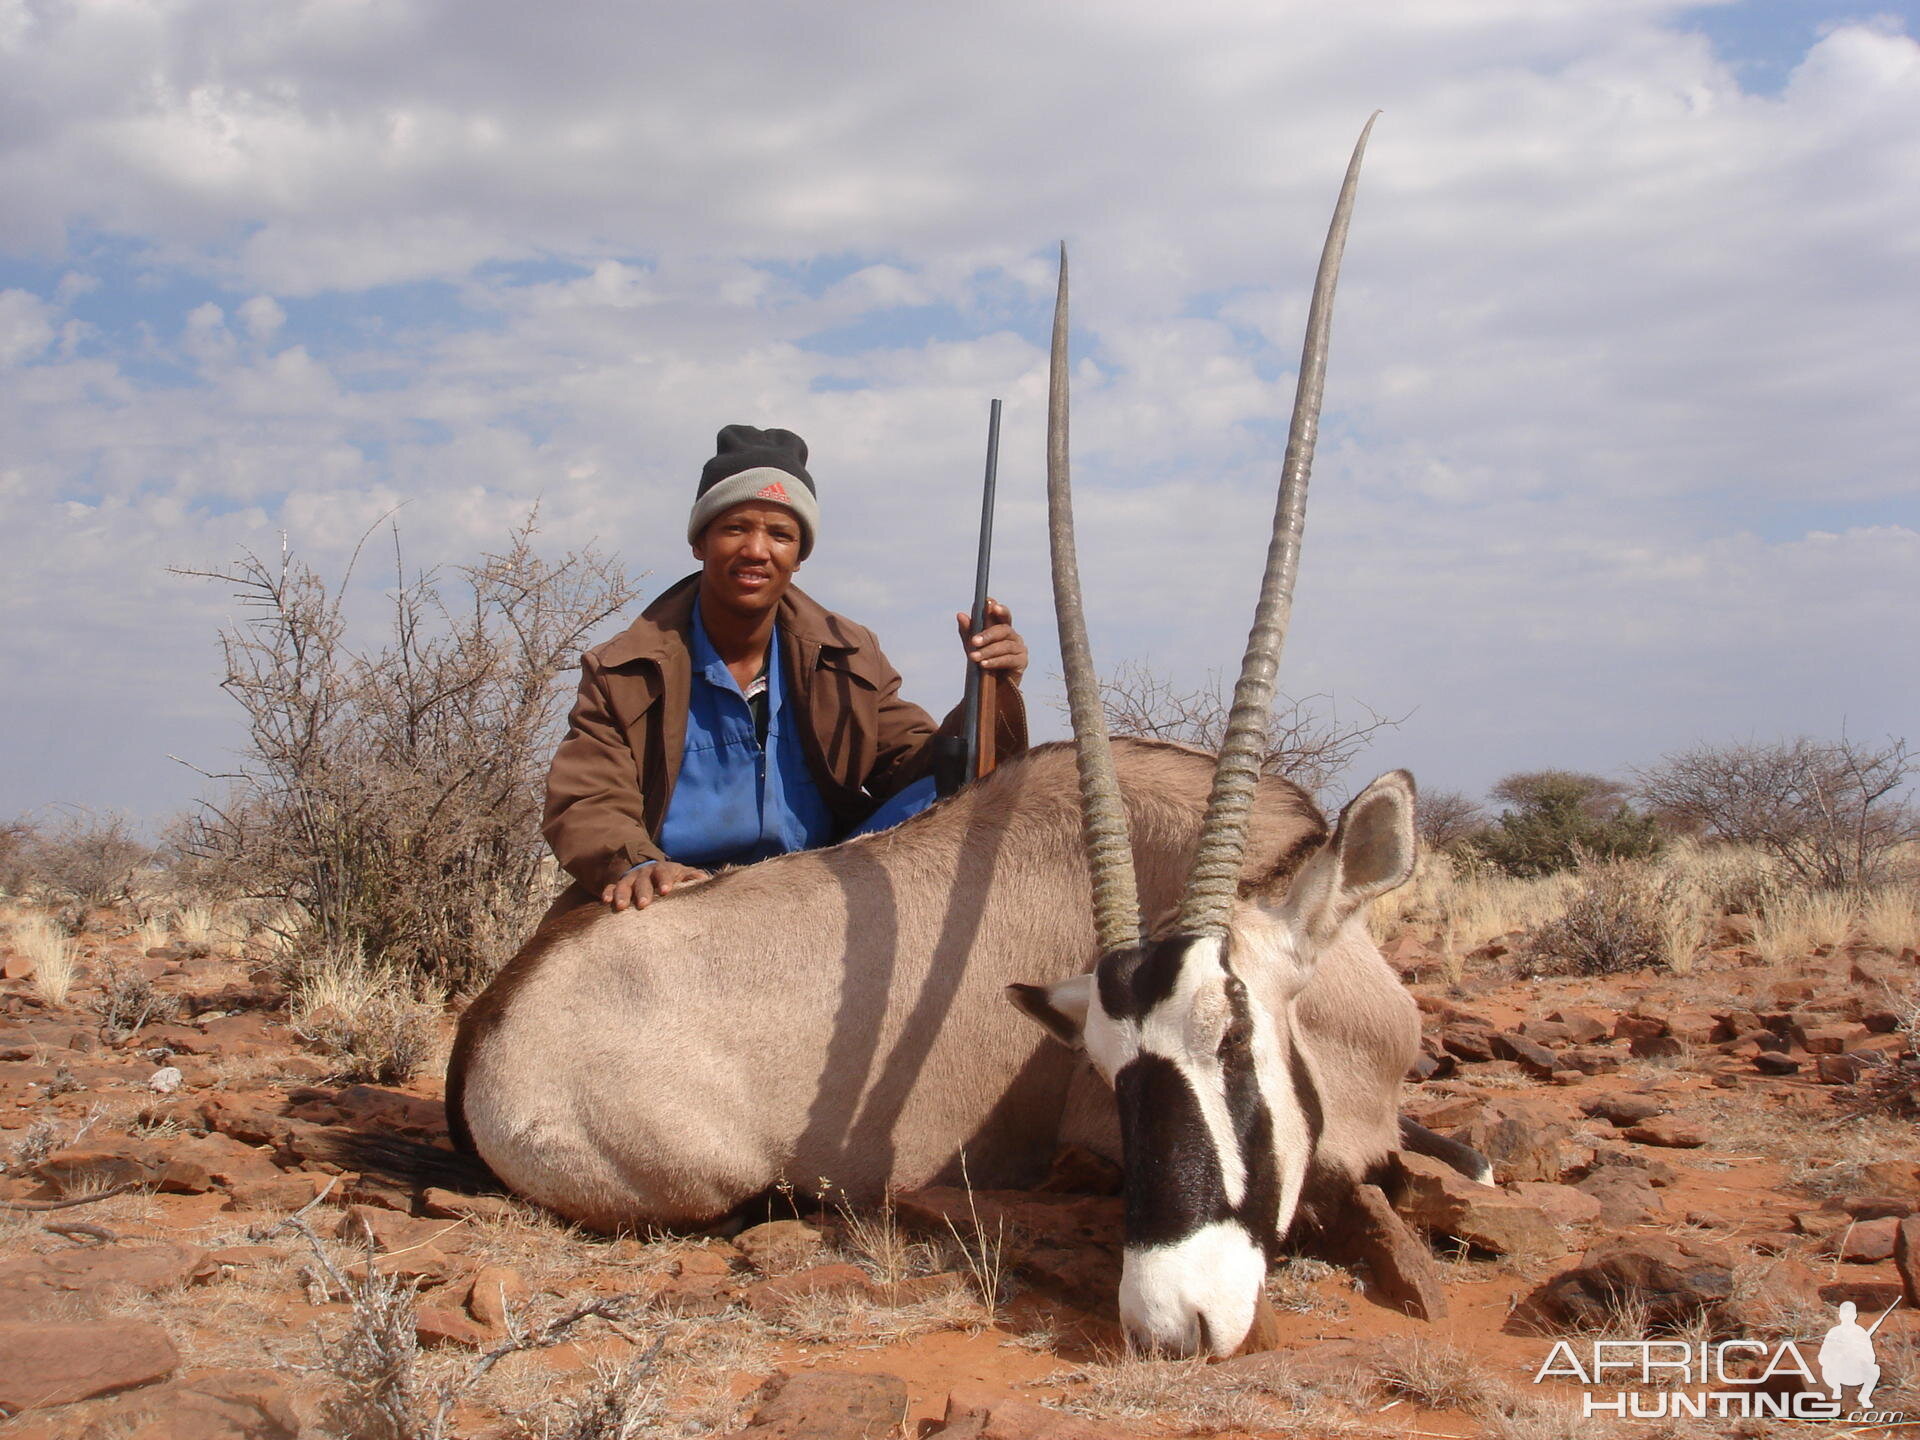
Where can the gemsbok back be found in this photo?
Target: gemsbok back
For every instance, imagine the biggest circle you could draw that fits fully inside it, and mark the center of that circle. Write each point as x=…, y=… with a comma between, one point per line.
x=840, y=1014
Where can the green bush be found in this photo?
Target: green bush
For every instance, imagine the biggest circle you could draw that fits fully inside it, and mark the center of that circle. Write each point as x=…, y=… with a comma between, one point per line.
x=1554, y=819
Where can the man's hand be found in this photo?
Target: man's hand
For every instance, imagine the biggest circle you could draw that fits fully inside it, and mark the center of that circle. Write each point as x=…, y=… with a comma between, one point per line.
x=641, y=887
x=999, y=647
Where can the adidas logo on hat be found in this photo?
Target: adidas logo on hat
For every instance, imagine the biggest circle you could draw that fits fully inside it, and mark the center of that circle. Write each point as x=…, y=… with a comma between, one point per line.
x=773, y=491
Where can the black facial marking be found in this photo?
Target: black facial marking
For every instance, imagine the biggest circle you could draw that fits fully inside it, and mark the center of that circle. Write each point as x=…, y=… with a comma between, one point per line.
x=1259, y=1208
x=1134, y=980
x=1173, y=1184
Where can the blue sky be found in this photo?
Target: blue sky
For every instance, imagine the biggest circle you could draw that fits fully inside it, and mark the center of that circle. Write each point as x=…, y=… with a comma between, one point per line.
x=1616, y=457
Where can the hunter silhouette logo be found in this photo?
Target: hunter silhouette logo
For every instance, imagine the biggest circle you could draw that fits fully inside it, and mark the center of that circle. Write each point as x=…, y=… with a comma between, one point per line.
x=1846, y=1355
x=1728, y=1379
x=773, y=490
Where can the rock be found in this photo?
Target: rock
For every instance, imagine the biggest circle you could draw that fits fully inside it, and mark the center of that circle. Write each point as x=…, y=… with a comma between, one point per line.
x=1445, y=1113
x=1733, y=930
x=1906, y=1259
x=44, y=1365
x=84, y=1170
x=1590, y=1060
x=449, y=1205
x=34, y=1284
x=424, y=1265
x=1675, y=1281
x=1773, y=1242
x=692, y=1295
x=779, y=1246
x=387, y=1231
x=1878, y=1207
x=1584, y=1026
x=1438, y=1199
x=165, y=1080
x=1526, y=1145
x=706, y=1260
x=1535, y=1059
x=1864, y=1242
x=244, y=1255
x=1839, y=1069
x=16, y=967
x=278, y=1192
x=1402, y=1268
x=1772, y=1062
x=1642, y=1163
x=1656, y=1047
x=436, y=1325
x=1831, y=1039
x=829, y=1405
x=978, y=1414
x=1561, y=1204
x=1890, y=1177
x=1550, y=1033
x=1624, y=1197
x=495, y=1290
x=1624, y=1110
x=1667, y=1131
x=774, y=1297
x=1467, y=1043
x=215, y=1405
x=1637, y=1026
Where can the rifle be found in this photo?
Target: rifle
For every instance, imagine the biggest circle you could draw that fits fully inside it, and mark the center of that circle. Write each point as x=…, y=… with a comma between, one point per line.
x=970, y=755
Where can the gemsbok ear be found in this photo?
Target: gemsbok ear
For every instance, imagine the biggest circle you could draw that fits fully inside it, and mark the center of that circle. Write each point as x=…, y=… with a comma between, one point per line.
x=1372, y=851
x=1060, y=1009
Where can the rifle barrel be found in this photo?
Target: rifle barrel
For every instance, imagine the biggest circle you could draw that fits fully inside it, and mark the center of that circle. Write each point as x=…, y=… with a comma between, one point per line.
x=978, y=620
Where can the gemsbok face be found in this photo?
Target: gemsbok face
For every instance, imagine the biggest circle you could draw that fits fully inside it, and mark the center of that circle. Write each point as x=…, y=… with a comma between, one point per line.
x=1219, y=1114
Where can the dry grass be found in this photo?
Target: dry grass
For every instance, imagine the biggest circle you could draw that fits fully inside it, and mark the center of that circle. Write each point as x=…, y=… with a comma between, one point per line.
x=1293, y=1285
x=54, y=954
x=1195, y=1398
x=1437, y=1376
x=365, y=1018
x=1800, y=921
x=149, y=934
x=844, y=1318
x=1889, y=917
x=195, y=925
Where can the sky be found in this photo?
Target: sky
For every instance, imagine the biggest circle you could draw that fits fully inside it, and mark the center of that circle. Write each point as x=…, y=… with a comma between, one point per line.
x=1615, y=457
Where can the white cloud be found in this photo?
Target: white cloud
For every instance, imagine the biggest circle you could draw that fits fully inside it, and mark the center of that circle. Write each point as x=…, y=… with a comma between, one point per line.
x=1617, y=451
x=26, y=326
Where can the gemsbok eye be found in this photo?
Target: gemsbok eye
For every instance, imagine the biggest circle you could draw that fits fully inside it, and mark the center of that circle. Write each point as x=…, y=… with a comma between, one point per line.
x=1239, y=1035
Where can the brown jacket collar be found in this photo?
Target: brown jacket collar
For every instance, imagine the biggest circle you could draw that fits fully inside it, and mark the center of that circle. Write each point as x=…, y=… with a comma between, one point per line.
x=661, y=631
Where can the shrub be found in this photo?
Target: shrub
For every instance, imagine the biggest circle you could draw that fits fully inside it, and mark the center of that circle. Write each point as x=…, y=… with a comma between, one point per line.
x=1556, y=818
x=1448, y=820
x=1306, y=741
x=1833, y=812
x=392, y=797
x=129, y=1000
x=1615, y=921
x=85, y=861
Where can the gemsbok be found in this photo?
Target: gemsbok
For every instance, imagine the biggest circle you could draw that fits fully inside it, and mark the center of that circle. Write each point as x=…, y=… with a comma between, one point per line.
x=841, y=1014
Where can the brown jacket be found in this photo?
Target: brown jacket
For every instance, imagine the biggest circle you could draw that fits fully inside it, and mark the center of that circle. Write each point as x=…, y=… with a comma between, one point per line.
x=610, y=781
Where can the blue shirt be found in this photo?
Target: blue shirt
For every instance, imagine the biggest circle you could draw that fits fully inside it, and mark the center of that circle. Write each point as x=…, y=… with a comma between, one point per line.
x=736, y=801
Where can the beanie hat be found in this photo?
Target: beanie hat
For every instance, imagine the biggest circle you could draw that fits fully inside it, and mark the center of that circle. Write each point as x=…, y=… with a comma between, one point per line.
x=769, y=465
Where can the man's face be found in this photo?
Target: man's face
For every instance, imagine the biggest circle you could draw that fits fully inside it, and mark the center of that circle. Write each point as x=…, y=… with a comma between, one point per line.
x=748, y=554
